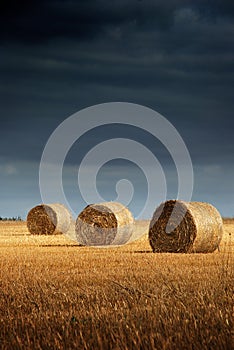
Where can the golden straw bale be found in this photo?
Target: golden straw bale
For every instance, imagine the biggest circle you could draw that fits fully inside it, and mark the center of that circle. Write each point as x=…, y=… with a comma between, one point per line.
x=103, y=224
x=49, y=219
x=193, y=227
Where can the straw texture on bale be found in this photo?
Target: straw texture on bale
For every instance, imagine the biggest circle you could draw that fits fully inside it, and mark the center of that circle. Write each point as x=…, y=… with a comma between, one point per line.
x=49, y=219
x=193, y=227
x=140, y=231
x=103, y=224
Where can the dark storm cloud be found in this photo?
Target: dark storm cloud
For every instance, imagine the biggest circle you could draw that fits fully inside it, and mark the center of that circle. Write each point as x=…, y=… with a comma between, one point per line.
x=38, y=21
x=35, y=22
x=176, y=57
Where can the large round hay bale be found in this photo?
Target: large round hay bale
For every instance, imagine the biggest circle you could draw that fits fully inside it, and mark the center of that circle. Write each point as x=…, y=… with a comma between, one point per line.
x=193, y=227
x=104, y=224
x=49, y=219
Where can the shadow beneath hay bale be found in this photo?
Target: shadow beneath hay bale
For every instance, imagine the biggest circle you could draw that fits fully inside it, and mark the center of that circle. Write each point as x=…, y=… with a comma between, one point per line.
x=142, y=251
x=18, y=235
x=61, y=245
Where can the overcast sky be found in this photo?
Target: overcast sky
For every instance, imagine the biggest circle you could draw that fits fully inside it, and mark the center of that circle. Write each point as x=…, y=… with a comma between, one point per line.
x=58, y=57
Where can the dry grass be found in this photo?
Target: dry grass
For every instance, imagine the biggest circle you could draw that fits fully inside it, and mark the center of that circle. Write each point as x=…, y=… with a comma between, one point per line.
x=57, y=295
x=228, y=220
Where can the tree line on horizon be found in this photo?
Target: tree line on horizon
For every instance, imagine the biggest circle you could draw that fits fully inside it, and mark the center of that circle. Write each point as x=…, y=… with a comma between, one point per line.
x=13, y=218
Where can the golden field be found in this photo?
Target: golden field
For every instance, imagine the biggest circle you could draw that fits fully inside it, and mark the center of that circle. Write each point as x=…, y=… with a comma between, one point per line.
x=55, y=294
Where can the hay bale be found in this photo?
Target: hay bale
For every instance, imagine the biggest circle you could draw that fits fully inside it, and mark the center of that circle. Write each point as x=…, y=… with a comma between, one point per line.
x=49, y=219
x=104, y=224
x=140, y=231
x=194, y=227
x=71, y=231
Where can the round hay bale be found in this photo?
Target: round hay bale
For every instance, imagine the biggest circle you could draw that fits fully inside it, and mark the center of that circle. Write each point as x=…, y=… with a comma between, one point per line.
x=104, y=224
x=193, y=227
x=49, y=219
x=140, y=231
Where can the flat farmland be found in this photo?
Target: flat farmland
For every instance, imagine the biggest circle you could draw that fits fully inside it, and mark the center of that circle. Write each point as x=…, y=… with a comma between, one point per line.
x=55, y=294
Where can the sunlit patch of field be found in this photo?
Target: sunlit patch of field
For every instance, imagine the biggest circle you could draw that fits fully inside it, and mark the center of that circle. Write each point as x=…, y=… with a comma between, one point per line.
x=55, y=294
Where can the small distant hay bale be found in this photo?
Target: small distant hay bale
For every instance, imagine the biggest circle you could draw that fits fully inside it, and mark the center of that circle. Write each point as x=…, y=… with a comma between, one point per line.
x=49, y=219
x=193, y=227
x=104, y=224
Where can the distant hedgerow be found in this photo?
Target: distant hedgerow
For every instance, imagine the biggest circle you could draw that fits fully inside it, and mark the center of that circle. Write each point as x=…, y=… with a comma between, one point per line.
x=13, y=218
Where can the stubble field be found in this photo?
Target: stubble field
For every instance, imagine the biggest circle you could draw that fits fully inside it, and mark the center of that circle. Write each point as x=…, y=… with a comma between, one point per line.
x=55, y=294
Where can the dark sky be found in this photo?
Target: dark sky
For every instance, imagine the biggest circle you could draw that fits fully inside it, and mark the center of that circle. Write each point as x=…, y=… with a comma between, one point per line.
x=58, y=57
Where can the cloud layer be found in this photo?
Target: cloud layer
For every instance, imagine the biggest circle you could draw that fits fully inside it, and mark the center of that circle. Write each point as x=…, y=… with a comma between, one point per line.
x=176, y=57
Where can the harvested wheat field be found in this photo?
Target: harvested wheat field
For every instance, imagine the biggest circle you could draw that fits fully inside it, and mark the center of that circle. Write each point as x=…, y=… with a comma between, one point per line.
x=55, y=294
